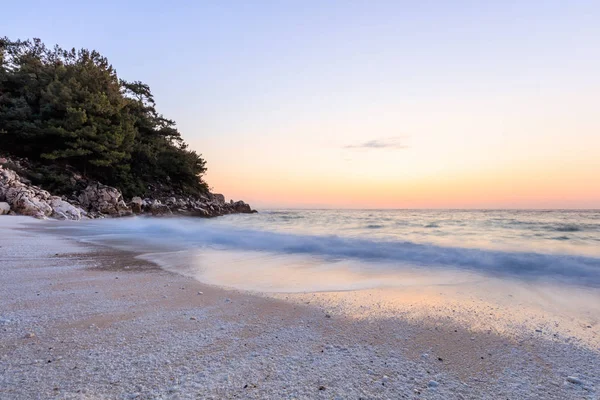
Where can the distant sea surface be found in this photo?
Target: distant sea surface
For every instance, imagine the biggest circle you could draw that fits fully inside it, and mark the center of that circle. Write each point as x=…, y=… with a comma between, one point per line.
x=303, y=250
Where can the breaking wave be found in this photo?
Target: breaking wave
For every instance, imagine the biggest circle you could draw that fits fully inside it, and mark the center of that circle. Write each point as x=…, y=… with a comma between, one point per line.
x=184, y=233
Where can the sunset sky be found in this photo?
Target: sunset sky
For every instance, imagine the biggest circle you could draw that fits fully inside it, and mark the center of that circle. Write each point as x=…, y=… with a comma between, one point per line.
x=378, y=104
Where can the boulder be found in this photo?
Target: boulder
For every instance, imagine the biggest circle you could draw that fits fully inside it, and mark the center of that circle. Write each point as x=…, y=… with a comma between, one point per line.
x=30, y=200
x=218, y=198
x=4, y=208
x=64, y=210
x=103, y=199
x=157, y=208
x=27, y=200
x=241, y=207
x=136, y=205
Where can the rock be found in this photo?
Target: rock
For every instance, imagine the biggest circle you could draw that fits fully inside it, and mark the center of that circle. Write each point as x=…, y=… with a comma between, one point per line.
x=64, y=210
x=26, y=200
x=218, y=198
x=432, y=384
x=157, y=208
x=241, y=207
x=200, y=212
x=29, y=335
x=574, y=380
x=4, y=208
x=98, y=200
x=103, y=199
x=136, y=205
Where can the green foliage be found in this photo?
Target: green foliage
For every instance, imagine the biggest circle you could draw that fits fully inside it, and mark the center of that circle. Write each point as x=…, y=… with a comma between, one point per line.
x=68, y=108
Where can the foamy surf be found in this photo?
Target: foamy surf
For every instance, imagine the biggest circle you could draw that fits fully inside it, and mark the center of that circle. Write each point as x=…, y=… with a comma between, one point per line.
x=492, y=286
x=372, y=256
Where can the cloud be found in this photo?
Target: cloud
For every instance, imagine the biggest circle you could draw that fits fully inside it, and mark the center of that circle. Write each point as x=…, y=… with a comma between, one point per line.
x=385, y=143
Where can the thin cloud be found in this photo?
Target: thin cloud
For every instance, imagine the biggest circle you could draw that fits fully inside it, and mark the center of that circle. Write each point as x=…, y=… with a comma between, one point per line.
x=386, y=143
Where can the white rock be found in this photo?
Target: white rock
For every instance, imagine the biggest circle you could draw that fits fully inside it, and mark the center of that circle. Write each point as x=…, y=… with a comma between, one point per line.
x=432, y=384
x=104, y=199
x=27, y=202
x=575, y=380
x=63, y=210
x=4, y=208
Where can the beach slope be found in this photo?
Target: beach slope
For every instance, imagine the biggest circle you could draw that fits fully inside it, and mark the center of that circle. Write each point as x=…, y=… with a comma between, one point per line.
x=86, y=322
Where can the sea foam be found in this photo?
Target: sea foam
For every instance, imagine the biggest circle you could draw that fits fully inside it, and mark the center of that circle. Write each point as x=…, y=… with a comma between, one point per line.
x=186, y=233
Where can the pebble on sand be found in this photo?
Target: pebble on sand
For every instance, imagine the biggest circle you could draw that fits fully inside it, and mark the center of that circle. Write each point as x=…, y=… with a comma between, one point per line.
x=432, y=384
x=575, y=380
x=29, y=335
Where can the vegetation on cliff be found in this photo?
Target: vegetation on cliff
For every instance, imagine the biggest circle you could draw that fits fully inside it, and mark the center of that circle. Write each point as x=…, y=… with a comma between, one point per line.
x=67, y=111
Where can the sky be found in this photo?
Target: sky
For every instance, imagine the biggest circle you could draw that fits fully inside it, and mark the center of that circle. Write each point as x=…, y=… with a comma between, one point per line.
x=362, y=104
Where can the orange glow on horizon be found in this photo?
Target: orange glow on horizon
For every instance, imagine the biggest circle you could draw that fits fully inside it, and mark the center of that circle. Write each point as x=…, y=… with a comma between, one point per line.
x=548, y=189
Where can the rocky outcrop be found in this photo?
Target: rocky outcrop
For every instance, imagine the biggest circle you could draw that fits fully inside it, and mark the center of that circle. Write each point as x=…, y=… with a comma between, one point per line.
x=188, y=206
x=95, y=200
x=26, y=199
x=103, y=199
x=241, y=207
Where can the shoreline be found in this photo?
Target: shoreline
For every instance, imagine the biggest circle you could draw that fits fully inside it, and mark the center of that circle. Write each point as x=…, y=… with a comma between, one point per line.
x=82, y=321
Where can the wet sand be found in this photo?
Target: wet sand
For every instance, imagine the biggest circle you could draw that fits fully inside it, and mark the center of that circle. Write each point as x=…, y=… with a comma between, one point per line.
x=85, y=322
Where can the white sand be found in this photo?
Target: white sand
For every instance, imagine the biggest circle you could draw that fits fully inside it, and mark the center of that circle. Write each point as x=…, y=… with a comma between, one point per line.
x=70, y=329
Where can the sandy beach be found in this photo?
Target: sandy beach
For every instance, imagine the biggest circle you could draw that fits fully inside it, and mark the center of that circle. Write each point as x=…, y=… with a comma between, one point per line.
x=79, y=321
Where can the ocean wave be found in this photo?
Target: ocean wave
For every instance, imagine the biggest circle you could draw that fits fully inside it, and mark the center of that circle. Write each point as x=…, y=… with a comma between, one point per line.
x=193, y=233
x=290, y=217
x=374, y=226
x=566, y=228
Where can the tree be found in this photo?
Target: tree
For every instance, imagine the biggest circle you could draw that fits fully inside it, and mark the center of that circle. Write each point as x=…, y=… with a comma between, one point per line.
x=69, y=108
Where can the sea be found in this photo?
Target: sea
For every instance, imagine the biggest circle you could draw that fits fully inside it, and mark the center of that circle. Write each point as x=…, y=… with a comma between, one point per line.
x=338, y=250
